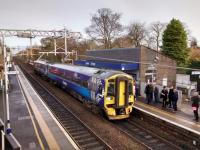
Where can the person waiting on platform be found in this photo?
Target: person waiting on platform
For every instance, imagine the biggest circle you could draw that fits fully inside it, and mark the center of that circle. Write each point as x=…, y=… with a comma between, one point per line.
x=149, y=93
x=170, y=96
x=175, y=99
x=195, y=105
x=163, y=95
x=156, y=93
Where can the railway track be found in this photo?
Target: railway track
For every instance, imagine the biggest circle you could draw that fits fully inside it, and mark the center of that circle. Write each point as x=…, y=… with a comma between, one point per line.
x=145, y=136
x=175, y=135
x=84, y=137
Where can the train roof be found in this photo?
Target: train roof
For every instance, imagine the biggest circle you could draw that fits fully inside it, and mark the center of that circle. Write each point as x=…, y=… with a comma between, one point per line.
x=75, y=68
x=102, y=73
x=41, y=61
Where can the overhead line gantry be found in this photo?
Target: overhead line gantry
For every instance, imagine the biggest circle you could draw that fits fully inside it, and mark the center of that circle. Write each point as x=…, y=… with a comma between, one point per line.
x=32, y=33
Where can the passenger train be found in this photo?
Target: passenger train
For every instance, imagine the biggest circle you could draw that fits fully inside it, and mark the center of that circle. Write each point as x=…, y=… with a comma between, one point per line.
x=110, y=91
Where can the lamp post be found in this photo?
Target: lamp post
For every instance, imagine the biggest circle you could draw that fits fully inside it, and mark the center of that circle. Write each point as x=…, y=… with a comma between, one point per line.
x=6, y=102
x=65, y=34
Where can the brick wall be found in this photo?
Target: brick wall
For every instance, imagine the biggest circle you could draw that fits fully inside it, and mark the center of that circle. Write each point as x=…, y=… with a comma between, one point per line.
x=148, y=56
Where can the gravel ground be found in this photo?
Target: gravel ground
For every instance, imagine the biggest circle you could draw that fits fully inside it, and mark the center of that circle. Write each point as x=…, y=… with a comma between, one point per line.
x=103, y=128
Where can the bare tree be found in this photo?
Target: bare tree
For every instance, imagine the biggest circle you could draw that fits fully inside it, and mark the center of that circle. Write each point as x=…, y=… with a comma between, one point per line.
x=137, y=32
x=193, y=42
x=47, y=43
x=150, y=40
x=122, y=42
x=105, y=26
x=157, y=29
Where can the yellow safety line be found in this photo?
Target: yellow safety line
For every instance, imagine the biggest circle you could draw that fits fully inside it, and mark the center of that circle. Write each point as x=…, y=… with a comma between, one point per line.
x=53, y=145
x=34, y=124
x=167, y=114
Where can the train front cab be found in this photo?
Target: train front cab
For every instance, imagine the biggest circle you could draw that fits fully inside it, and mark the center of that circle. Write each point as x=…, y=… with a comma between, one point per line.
x=119, y=97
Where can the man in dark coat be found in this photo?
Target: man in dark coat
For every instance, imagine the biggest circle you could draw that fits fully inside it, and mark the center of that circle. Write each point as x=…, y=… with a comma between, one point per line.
x=149, y=93
x=156, y=92
x=171, y=96
x=195, y=105
x=163, y=95
x=175, y=99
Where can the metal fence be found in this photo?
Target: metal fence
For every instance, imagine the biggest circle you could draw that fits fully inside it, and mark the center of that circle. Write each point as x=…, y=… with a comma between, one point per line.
x=8, y=141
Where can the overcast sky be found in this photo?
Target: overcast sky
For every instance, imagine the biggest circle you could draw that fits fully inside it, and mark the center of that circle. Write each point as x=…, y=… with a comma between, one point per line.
x=76, y=14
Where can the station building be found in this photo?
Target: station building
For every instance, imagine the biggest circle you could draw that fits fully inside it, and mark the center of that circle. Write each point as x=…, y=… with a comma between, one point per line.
x=144, y=64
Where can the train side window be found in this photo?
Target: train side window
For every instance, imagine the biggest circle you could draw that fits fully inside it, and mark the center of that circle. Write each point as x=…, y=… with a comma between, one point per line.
x=85, y=83
x=111, y=89
x=100, y=89
x=130, y=88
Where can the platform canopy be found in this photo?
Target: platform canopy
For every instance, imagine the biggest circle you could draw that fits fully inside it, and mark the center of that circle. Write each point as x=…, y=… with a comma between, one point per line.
x=108, y=65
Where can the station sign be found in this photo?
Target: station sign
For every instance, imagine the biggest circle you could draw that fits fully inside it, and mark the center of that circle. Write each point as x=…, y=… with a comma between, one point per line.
x=151, y=67
x=13, y=72
x=195, y=72
x=150, y=74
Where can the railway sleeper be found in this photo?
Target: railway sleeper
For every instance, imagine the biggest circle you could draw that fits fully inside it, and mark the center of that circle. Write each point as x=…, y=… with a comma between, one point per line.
x=97, y=148
x=79, y=133
x=79, y=137
x=88, y=142
x=74, y=127
x=90, y=145
x=69, y=123
x=148, y=137
x=86, y=139
x=62, y=110
x=65, y=117
x=161, y=145
x=75, y=130
x=153, y=141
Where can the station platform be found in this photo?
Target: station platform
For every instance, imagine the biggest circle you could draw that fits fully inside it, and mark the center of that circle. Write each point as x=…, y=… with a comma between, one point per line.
x=182, y=118
x=32, y=123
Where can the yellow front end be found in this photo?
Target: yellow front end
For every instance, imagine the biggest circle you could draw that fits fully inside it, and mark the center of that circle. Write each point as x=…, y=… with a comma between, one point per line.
x=119, y=97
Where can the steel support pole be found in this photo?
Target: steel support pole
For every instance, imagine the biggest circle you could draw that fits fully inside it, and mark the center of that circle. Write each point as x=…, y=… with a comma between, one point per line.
x=31, y=51
x=65, y=41
x=8, y=128
x=55, y=46
x=76, y=55
x=4, y=105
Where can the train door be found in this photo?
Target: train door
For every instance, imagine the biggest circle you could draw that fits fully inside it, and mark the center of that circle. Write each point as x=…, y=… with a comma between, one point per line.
x=122, y=93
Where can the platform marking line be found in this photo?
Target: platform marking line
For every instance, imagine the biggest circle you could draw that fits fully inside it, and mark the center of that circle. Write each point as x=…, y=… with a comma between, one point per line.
x=167, y=120
x=31, y=116
x=59, y=125
x=44, y=127
x=24, y=118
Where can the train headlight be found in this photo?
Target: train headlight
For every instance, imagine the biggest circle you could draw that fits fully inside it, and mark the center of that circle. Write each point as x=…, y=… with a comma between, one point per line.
x=109, y=98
